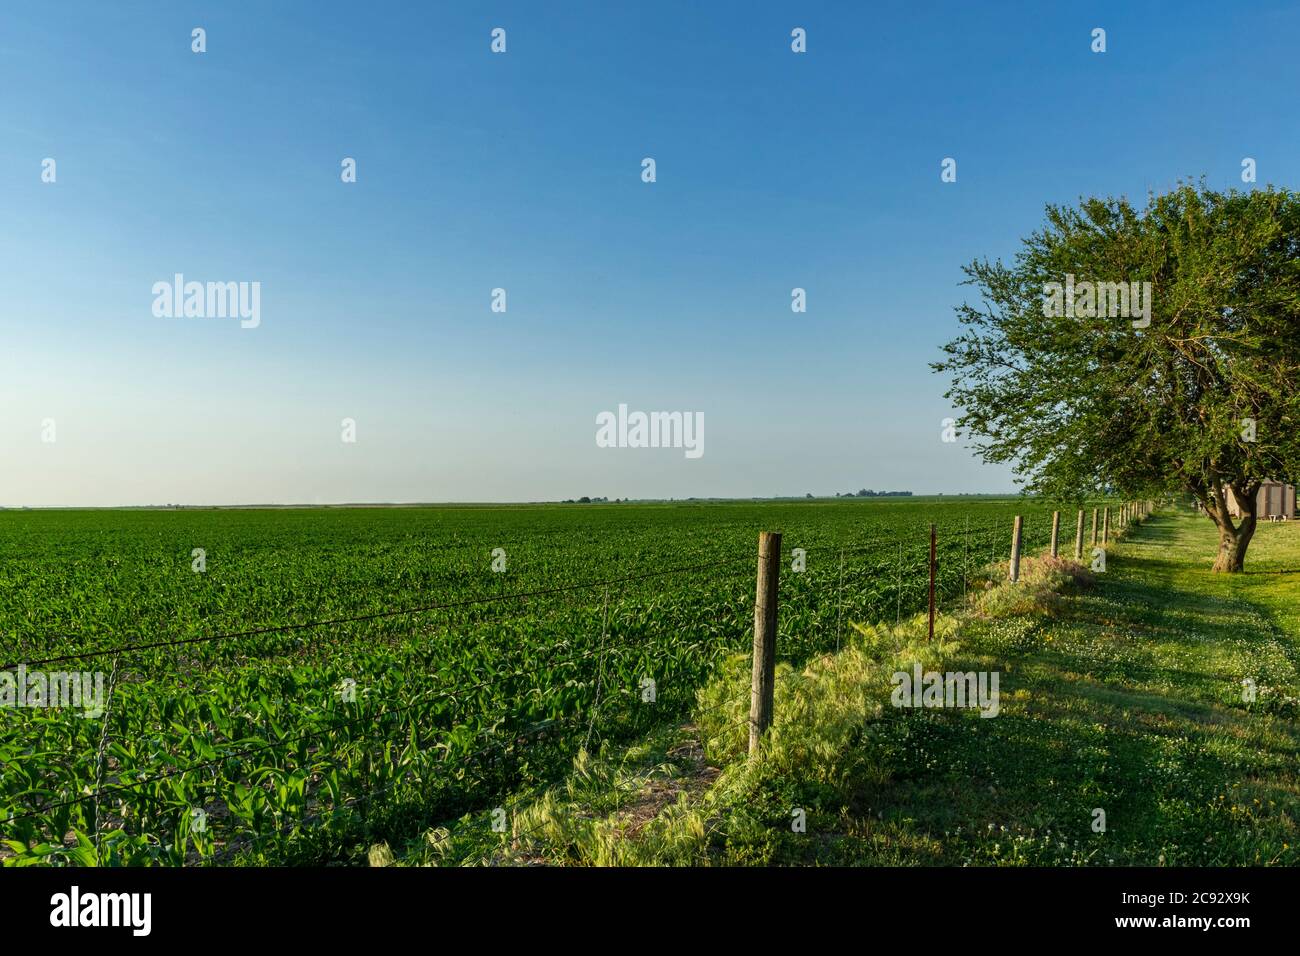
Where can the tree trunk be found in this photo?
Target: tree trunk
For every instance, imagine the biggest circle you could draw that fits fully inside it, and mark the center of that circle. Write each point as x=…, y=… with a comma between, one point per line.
x=1233, y=539
x=1232, y=550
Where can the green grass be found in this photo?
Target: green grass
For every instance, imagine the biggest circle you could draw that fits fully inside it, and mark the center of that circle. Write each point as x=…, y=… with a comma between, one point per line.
x=1120, y=691
x=458, y=707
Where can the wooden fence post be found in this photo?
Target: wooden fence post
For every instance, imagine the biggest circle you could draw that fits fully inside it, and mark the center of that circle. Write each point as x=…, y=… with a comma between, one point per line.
x=1056, y=531
x=1105, y=526
x=765, y=604
x=1078, y=538
x=1015, y=550
x=932, y=566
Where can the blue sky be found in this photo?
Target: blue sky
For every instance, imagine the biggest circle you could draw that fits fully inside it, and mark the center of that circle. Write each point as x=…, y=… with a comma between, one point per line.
x=522, y=170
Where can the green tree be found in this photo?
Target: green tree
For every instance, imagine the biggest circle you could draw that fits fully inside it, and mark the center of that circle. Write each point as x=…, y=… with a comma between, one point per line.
x=1194, y=389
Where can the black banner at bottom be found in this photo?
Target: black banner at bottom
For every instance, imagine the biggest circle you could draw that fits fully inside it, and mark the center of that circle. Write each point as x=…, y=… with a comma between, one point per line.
x=336, y=905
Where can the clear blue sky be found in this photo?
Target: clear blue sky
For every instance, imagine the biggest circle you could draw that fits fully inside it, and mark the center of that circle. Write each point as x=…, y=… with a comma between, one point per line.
x=522, y=171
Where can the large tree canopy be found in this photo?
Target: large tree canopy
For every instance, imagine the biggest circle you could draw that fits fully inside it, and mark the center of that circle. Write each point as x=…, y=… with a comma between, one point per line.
x=1087, y=386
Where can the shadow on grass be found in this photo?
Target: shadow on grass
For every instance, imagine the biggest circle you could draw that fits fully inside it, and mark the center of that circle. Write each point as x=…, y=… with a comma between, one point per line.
x=1122, y=702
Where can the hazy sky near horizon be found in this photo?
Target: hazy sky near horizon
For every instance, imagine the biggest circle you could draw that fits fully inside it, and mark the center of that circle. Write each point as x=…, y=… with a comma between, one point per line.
x=523, y=171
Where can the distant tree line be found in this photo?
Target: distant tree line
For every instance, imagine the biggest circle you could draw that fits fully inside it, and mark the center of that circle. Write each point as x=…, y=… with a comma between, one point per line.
x=868, y=493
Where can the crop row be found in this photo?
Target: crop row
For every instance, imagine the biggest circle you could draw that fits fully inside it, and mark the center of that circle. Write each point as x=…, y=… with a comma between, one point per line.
x=301, y=744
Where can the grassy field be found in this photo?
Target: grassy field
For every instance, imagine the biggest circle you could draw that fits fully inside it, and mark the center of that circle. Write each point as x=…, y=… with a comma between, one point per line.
x=319, y=680
x=229, y=736
x=1121, y=692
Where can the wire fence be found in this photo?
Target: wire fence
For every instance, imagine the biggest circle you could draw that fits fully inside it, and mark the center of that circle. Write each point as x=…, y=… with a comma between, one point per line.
x=450, y=749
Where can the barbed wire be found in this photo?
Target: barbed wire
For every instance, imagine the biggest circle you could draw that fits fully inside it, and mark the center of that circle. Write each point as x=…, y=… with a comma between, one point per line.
x=411, y=703
x=513, y=813
x=858, y=546
x=514, y=736
x=576, y=720
x=372, y=794
x=849, y=547
x=376, y=615
x=11, y=560
x=408, y=704
x=517, y=835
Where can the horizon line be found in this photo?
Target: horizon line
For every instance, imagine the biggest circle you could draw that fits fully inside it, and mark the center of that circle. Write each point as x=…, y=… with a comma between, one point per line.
x=498, y=504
